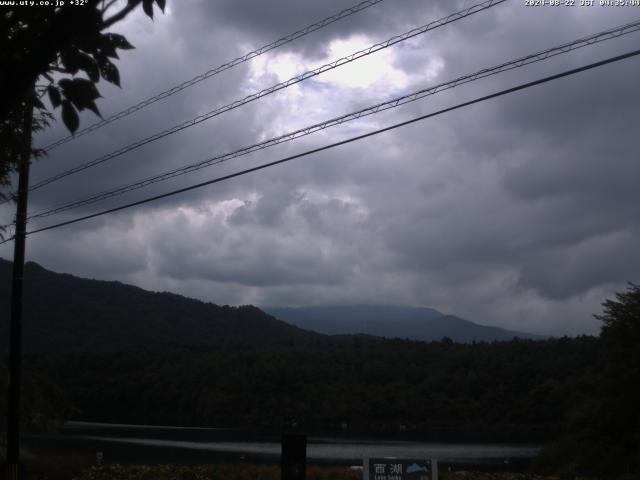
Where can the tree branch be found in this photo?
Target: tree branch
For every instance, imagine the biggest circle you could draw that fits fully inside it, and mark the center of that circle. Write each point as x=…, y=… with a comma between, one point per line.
x=107, y=6
x=120, y=15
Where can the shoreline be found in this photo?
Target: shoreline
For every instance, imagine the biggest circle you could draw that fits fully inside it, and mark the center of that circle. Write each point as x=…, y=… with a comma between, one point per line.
x=128, y=453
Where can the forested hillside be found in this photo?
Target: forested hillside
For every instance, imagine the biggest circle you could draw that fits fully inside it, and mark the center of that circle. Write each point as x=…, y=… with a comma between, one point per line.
x=115, y=353
x=65, y=312
x=518, y=390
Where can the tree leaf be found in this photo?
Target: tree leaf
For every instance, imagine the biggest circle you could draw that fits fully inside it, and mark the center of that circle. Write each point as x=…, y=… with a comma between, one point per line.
x=74, y=60
x=65, y=84
x=54, y=96
x=80, y=91
x=147, y=6
x=70, y=116
x=38, y=104
x=118, y=41
x=109, y=71
x=70, y=60
x=90, y=67
x=161, y=4
x=106, y=47
x=93, y=107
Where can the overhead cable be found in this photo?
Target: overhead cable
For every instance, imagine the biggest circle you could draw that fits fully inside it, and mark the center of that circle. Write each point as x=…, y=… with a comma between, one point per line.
x=389, y=104
x=277, y=87
x=221, y=68
x=343, y=142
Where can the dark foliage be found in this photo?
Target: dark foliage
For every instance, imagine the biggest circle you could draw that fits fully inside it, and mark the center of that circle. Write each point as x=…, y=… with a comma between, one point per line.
x=53, y=46
x=619, y=410
x=44, y=405
x=125, y=355
x=503, y=391
x=602, y=435
x=64, y=312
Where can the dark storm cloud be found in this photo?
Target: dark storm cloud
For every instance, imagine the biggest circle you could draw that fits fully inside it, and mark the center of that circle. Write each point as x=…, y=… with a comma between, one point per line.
x=264, y=22
x=268, y=243
x=576, y=268
x=517, y=212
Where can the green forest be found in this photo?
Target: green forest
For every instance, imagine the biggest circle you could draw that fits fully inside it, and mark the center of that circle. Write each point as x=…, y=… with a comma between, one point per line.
x=115, y=353
x=557, y=392
x=377, y=386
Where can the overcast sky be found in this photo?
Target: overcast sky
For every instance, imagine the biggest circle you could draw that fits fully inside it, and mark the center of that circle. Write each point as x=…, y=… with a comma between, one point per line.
x=521, y=212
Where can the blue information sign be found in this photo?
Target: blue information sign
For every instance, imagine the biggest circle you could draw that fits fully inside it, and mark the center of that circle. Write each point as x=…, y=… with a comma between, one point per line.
x=400, y=469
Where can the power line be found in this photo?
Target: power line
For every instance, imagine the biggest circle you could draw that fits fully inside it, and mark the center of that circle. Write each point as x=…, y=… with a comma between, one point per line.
x=274, y=88
x=393, y=103
x=343, y=142
x=539, y=56
x=221, y=68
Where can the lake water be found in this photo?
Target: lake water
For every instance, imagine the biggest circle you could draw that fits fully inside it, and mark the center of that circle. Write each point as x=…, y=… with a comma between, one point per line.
x=326, y=449
x=158, y=444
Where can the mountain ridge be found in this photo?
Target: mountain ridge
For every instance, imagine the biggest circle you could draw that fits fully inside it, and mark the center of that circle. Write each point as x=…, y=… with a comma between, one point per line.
x=63, y=312
x=392, y=321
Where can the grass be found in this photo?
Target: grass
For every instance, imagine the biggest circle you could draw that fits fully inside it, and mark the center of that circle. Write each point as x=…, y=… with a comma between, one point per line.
x=53, y=466
x=263, y=472
x=83, y=467
x=211, y=472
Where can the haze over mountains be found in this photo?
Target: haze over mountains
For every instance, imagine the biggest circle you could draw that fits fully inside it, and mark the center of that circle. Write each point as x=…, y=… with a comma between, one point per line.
x=64, y=312
x=415, y=323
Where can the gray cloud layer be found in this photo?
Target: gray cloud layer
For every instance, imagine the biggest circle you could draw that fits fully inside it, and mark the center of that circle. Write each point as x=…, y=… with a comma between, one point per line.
x=520, y=212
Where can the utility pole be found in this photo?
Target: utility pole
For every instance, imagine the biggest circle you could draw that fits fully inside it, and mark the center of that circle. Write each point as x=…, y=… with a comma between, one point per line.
x=15, y=328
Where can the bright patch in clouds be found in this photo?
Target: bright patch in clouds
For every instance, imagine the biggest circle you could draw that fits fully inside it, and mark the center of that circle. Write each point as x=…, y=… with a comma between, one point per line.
x=362, y=73
x=497, y=213
x=375, y=78
x=366, y=71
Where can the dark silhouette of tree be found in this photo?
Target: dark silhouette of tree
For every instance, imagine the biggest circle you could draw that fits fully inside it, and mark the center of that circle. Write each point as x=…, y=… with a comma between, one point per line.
x=621, y=386
x=602, y=427
x=65, y=48
x=621, y=321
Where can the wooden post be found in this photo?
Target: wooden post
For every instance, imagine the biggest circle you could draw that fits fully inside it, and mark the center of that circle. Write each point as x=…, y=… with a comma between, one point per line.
x=293, y=463
x=15, y=327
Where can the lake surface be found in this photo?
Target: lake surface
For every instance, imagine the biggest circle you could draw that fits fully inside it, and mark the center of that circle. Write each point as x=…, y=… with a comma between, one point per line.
x=333, y=450
x=158, y=444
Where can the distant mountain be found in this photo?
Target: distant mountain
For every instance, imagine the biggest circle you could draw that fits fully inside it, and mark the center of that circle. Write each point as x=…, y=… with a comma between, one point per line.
x=391, y=321
x=65, y=312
